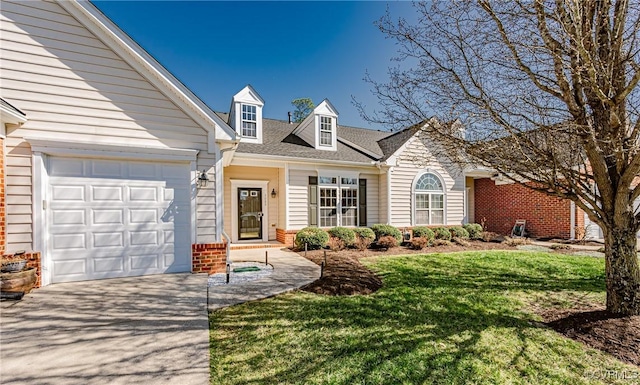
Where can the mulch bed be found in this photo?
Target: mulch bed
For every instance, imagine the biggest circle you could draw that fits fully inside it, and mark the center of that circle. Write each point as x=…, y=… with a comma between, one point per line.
x=599, y=329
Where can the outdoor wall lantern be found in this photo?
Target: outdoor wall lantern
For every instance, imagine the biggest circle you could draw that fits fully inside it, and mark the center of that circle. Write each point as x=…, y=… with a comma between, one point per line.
x=273, y=193
x=203, y=179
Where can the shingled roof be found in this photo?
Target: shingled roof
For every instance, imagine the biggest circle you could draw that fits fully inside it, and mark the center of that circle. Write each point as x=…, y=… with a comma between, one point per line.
x=360, y=145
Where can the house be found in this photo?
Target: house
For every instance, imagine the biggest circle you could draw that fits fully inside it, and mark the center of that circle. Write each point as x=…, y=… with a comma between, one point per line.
x=105, y=154
x=111, y=167
x=284, y=176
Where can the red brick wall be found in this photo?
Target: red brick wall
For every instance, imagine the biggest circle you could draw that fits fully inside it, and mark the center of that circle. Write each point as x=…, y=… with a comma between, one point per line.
x=33, y=260
x=500, y=206
x=287, y=237
x=209, y=258
x=3, y=208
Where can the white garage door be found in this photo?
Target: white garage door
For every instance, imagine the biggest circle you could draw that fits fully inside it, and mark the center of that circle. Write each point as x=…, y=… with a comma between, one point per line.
x=111, y=219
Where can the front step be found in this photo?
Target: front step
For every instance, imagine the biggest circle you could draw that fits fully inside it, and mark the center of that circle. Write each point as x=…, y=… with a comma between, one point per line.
x=247, y=246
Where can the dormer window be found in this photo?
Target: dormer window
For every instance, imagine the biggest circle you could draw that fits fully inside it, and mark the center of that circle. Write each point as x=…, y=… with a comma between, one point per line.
x=249, y=121
x=246, y=115
x=326, y=131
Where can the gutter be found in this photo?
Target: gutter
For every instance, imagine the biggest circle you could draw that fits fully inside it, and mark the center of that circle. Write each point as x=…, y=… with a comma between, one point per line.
x=303, y=160
x=572, y=231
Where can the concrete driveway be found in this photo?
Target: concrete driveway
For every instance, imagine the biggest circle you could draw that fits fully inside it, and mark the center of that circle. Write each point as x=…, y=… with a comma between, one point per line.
x=143, y=330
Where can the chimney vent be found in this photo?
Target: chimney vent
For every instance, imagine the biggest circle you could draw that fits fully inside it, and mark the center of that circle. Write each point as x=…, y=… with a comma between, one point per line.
x=289, y=113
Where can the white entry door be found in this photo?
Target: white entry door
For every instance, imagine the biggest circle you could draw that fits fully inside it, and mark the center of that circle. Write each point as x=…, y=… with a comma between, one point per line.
x=110, y=219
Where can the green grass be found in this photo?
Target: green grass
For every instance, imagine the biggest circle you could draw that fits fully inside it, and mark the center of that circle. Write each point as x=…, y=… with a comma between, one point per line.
x=439, y=319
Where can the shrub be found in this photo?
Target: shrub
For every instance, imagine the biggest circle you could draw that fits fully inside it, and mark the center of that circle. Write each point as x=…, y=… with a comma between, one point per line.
x=364, y=232
x=419, y=243
x=459, y=232
x=423, y=232
x=336, y=244
x=386, y=230
x=515, y=241
x=313, y=237
x=364, y=237
x=347, y=236
x=442, y=233
x=461, y=241
x=559, y=246
x=387, y=242
x=474, y=230
x=441, y=242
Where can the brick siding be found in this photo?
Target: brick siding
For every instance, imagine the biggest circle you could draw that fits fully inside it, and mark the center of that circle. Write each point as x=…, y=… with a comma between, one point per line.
x=286, y=237
x=209, y=258
x=500, y=206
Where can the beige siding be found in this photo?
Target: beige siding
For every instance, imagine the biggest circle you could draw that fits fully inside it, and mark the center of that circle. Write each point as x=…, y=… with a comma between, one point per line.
x=252, y=174
x=382, y=201
x=73, y=86
x=414, y=160
x=373, y=201
x=298, y=198
x=470, y=199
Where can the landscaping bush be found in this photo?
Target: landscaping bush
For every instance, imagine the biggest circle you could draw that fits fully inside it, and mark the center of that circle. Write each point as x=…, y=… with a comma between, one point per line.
x=364, y=232
x=364, y=237
x=423, y=232
x=442, y=233
x=419, y=243
x=347, y=236
x=459, y=232
x=314, y=237
x=516, y=241
x=474, y=230
x=386, y=230
x=441, y=242
x=461, y=241
x=387, y=242
x=336, y=244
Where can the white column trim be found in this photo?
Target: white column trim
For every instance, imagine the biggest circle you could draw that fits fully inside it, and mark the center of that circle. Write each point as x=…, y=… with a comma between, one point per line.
x=40, y=211
x=193, y=177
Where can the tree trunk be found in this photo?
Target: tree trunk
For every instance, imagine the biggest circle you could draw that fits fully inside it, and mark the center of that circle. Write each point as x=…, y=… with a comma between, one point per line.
x=622, y=271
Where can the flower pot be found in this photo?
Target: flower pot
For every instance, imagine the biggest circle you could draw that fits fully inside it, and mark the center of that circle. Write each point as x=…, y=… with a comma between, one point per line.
x=12, y=266
x=18, y=282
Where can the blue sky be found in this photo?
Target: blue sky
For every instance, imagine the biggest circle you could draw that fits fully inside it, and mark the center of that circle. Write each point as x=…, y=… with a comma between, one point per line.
x=285, y=50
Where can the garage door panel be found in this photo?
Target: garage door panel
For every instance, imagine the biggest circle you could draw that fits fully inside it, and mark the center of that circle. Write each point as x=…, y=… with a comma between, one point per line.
x=107, y=216
x=107, y=194
x=117, y=219
x=63, y=193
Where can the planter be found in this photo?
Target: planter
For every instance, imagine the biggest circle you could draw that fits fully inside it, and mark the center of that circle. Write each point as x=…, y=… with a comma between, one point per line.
x=13, y=266
x=18, y=282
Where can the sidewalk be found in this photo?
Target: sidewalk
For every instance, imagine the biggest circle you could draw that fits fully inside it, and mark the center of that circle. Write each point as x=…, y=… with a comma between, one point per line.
x=290, y=272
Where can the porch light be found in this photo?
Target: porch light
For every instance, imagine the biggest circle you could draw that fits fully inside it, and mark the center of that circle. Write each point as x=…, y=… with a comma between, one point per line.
x=202, y=179
x=273, y=193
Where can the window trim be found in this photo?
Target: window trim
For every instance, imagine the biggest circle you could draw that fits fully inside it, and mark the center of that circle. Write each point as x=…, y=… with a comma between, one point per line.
x=329, y=131
x=414, y=194
x=338, y=187
x=243, y=120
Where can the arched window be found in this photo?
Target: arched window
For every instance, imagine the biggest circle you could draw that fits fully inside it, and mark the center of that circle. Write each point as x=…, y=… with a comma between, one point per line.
x=428, y=200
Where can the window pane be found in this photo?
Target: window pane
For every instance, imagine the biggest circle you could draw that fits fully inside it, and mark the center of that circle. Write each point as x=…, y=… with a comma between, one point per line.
x=327, y=180
x=422, y=217
x=437, y=201
x=349, y=181
x=437, y=217
x=422, y=201
x=429, y=182
x=325, y=138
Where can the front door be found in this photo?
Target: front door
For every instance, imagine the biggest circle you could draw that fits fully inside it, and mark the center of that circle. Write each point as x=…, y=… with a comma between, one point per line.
x=249, y=213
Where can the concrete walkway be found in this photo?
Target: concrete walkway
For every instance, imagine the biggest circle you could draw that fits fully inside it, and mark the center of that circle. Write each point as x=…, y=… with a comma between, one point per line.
x=142, y=330
x=290, y=271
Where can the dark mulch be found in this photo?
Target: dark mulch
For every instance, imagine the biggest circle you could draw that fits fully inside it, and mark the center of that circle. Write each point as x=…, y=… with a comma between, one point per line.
x=599, y=329
x=343, y=275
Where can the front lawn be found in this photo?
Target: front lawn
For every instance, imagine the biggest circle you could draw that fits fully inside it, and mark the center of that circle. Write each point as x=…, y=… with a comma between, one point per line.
x=458, y=318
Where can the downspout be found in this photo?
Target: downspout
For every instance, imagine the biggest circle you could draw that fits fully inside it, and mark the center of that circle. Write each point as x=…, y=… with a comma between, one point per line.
x=572, y=231
x=389, y=171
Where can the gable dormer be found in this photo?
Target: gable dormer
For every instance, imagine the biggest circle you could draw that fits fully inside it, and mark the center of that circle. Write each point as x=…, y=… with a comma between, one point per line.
x=319, y=129
x=246, y=115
